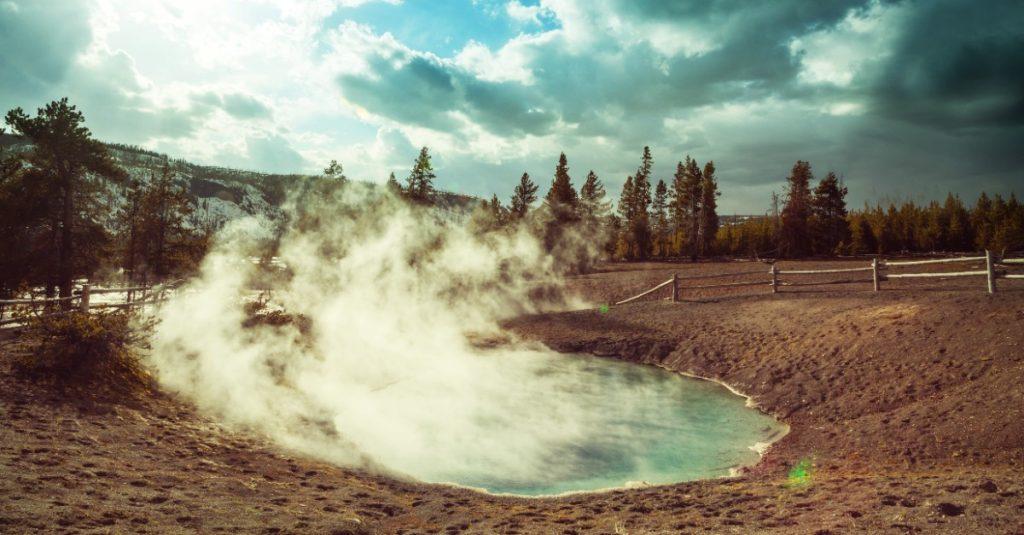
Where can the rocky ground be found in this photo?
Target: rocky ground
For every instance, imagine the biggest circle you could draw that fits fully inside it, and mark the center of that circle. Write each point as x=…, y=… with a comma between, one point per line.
x=906, y=405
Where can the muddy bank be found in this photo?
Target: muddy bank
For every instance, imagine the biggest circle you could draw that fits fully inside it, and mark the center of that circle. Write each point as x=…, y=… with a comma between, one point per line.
x=906, y=407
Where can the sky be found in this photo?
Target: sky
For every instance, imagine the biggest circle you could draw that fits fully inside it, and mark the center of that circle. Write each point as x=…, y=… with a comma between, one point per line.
x=903, y=99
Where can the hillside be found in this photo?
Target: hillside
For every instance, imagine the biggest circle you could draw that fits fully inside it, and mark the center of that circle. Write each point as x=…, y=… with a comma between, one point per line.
x=221, y=193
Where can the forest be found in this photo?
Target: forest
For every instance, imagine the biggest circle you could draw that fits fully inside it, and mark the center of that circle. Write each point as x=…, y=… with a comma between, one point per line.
x=67, y=211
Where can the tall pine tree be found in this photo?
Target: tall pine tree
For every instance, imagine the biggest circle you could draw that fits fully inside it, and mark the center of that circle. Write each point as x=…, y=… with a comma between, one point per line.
x=659, y=210
x=708, y=210
x=420, y=184
x=795, y=238
x=523, y=196
x=70, y=160
x=829, y=227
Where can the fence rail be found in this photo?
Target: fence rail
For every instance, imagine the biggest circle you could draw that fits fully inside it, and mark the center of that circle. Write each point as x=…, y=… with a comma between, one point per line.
x=878, y=269
x=83, y=295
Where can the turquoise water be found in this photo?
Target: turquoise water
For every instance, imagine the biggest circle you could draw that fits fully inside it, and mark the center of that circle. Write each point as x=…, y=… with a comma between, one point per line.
x=643, y=425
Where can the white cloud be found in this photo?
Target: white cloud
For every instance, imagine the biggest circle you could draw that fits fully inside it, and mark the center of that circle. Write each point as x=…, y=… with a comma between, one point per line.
x=525, y=14
x=839, y=54
x=511, y=62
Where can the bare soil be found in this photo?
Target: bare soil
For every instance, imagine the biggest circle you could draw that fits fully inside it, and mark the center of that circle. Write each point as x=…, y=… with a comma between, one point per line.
x=906, y=403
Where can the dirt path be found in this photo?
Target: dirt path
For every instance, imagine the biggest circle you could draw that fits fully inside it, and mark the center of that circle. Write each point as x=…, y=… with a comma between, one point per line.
x=907, y=406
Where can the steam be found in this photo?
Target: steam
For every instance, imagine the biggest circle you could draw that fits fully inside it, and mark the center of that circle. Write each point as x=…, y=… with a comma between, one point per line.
x=394, y=370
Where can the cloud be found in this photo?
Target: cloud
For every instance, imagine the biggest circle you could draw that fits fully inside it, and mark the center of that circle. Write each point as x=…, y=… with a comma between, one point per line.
x=237, y=105
x=957, y=66
x=36, y=53
x=273, y=153
x=525, y=14
x=598, y=79
x=423, y=90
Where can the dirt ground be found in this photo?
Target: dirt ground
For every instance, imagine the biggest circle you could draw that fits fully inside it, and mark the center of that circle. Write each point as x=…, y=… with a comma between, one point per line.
x=906, y=405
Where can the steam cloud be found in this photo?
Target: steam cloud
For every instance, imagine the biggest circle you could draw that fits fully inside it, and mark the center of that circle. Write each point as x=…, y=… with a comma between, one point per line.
x=387, y=374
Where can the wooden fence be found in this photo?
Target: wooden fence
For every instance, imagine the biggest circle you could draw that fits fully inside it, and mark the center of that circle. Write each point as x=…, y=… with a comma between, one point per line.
x=82, y=301
x=876, y=273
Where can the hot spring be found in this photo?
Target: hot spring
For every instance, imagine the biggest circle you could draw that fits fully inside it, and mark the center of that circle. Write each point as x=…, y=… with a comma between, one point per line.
x=377, y=361
x=647, y=426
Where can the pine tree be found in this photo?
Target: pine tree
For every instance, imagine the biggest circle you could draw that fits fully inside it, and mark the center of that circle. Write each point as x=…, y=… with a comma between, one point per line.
x=420, y=184
x=960, y=237
x=334, y=171
x=523, y=196
x=640, y=226
x=690, y=199
x=626, y=246
x=864, y=241
x=169, y=245
x=795, y=239
x=829, y=227
x=661, y=225
x=28, y=225
x=393, y=186
x=983, y=222
x=888, y=238
x=678, y=207
x=708, y=210
x=562, y=197
x=129, y=220
x=63, y=149
x=592, y=203
x=499, y=214
x=563, y=203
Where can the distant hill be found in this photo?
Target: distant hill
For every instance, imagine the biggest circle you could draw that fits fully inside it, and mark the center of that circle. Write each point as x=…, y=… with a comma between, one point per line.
x=221, y=193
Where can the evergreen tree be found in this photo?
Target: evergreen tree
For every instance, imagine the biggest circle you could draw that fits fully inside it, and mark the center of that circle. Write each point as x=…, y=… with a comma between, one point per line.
x=562, y=202
x=708, y=210
x=795, y=239
x=523, y=196
x=28, y=225
x=627, y=213
x=562, y=196
x=420, y=184
x=888, y=238
x=692, y=193
x=659, y=207
x=129, y=222
x=393, y=186
x=864, y=241
x=640, y=226
x=829, y=227
x=334, y=171
x=678, y=207
x=983, y=222
x=499, y=214
x=70, y=162
x=169, y=246
x=960, y=236
x=592, y=203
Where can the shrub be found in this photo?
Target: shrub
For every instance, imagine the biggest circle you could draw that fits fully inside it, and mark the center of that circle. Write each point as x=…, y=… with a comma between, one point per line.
x=91, y=355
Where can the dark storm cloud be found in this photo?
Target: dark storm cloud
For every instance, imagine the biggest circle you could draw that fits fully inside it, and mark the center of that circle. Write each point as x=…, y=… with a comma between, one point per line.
x=752, y=60
x=423, y=91
x=950, y=82
x=958, y=64
x=36, y=53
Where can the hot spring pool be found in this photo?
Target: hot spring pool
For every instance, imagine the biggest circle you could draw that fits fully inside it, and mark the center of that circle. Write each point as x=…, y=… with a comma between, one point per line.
x=643, y=425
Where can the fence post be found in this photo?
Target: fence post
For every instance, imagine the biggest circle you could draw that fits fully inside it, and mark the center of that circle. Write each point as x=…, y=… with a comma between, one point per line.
x=84, y=301
x=991, y=272
x=675, y=287
x=874, y=273
x=775, y=278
